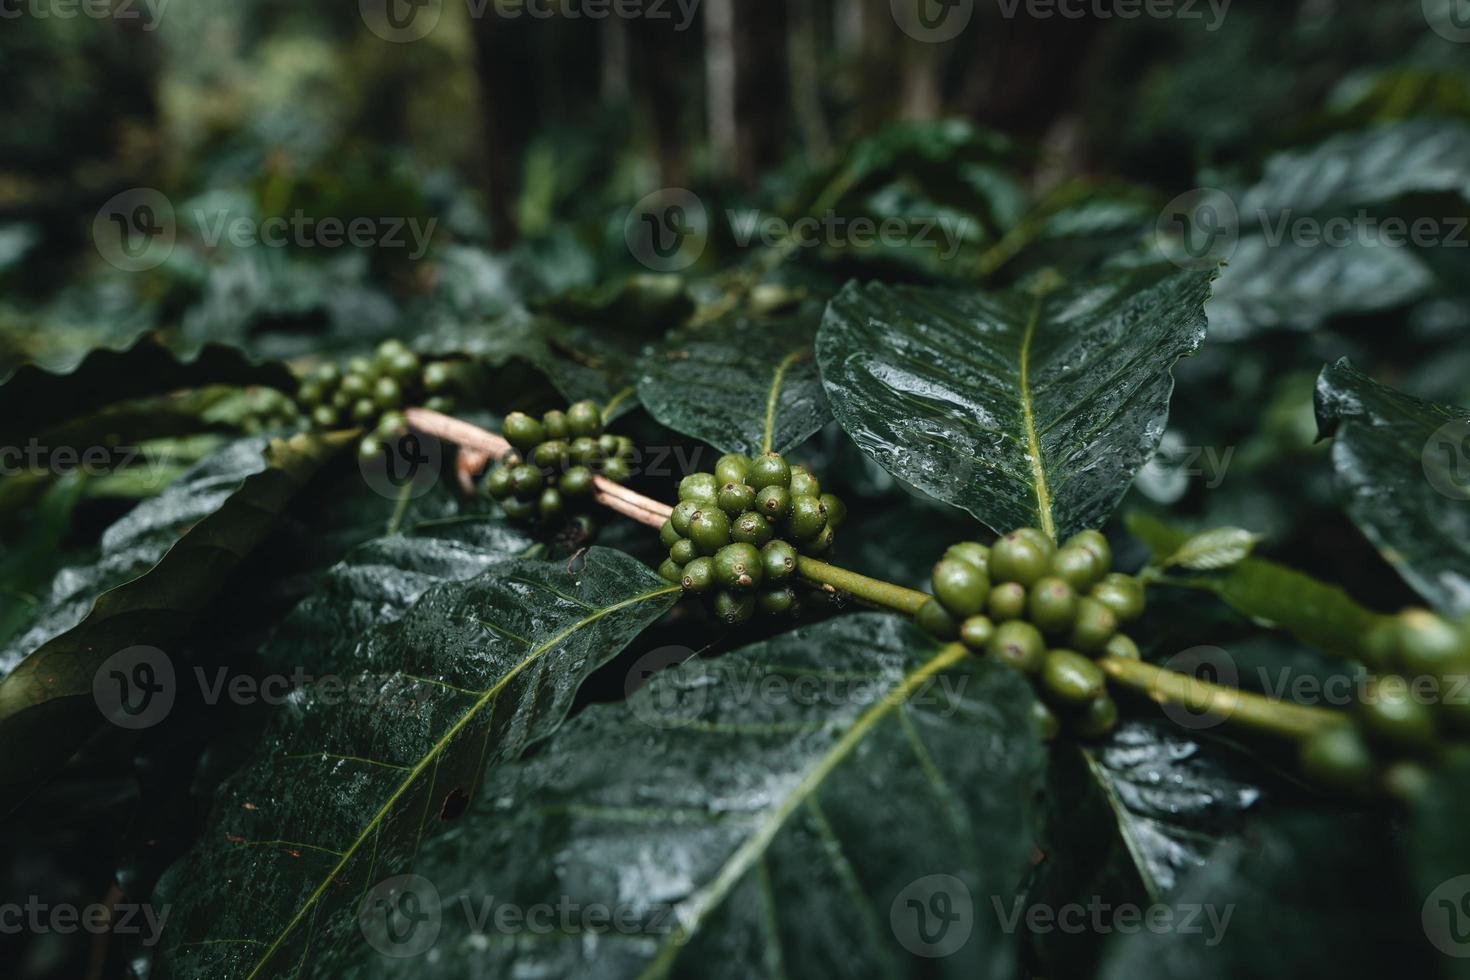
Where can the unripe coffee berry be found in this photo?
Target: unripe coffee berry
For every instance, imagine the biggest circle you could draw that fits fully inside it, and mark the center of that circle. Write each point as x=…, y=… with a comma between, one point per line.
x=768, y=470
x=962, y=587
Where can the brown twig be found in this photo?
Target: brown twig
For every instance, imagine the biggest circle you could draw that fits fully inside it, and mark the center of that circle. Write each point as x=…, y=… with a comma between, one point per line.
x=485, y=445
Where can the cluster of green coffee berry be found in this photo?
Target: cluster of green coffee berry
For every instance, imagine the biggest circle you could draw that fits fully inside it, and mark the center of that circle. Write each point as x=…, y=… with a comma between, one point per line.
x=737, y=533
x=1049, y=612
x=269, y=410
x=1412, y=710
x=549, y=475
x=370, y=392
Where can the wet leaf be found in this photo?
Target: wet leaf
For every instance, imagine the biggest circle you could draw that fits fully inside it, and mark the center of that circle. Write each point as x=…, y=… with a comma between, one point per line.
x=394, y=722
x=1403, y=475
x=741, y=385
x=1023, y=409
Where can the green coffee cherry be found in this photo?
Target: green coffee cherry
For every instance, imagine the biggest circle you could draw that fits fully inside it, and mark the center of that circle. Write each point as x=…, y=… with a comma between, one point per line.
x=391, y=426
x=732, y=468
x=738, y=567
x=583, y=450
x=440, y=404
x=807, y=518
x=386, y=394
x=802, y=483
x=1123, y=594
x=438, y=377
x=327, y=376
x=523, y=432
x=962, y=588
x=551, y=455
x=576, y=482
x=836, y=509
x=1047, y=723
x=585, y=419
x=607, y=445
x=1094, y=626
x=553, y=423
x=1078, y=566
x=683, y=511
x=1043, y=542
x=683, y=551
x=1095, y=542
x=369, y=450
x=1391, y=714
x=323, y=417
x=519, y=508
x=701, y=488
x=710, y=530
x=933, y=619
x=768, y=470
x=497, y=482
x=1070, y=678
x=617, y=470
x=1122, y=647
x=750, y=528
x=355, y=386
x=972, y=552
x=1429, y=644
x=736, y=498
x=668, y=534
x=1017, y=557
x=1018, y=644
x=525, y=479
x=776, y=602
x=778, y=561
x=550, y=505
x=1098, y=718
x=1338, y=756
x=976, y=632
x=1007, y=602
x=773, y=502
x=670, y=571
x=699, y=576
x=823, y=542
x=734, y=607
x=1053, y=606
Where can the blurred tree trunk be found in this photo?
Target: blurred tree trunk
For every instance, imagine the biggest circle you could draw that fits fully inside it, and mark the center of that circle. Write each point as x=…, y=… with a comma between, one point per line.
x=509, y=108
x=663, y=64
x=804, y=56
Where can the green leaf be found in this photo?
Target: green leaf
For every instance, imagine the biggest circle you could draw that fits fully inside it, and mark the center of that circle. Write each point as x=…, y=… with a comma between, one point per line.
x=160, y=565
x=741, y=385
x=771, y=812
x=1214, y=549
x=1128, y=819
x=1316, y=895
x=1402, y=470
x=1023, y=409
x=1270, y=594
x=32, y=399
x=344, y=788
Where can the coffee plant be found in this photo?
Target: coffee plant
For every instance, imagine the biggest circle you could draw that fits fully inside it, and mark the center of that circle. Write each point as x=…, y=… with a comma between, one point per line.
x=1084, y=595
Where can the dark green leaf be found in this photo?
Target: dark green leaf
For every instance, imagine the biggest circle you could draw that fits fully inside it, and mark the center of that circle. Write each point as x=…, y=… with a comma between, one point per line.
x=1318, y=614
x=1403, y=476
x=32, y=400
x=346, y=785
x=769, y=812
x=1128, y=819
x=1439, y=864
x=1305, y=896
x=1023, y=409
x=160, y=565
x=743, y=386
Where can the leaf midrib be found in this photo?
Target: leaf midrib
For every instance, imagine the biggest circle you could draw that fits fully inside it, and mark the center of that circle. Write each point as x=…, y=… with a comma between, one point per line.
x=486, y=697
x=768, y=436
x=755, y=847
x=1028, y=414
